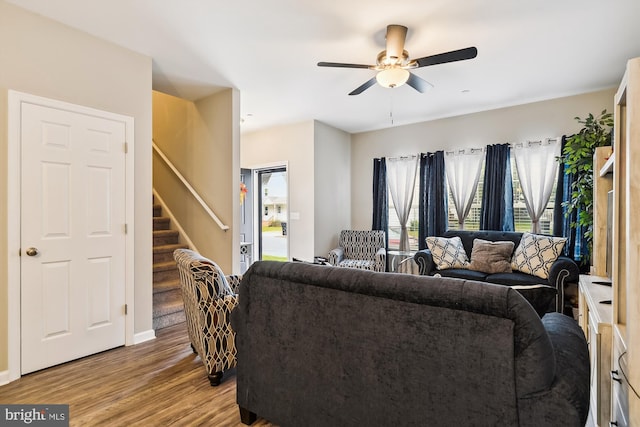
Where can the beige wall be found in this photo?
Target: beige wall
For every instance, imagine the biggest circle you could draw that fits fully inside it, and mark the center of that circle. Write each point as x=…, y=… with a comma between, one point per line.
x=200, y=140
x=290, y=145
x=332, y=186
x=515, y=124
x=45, y=58
x=318, y=158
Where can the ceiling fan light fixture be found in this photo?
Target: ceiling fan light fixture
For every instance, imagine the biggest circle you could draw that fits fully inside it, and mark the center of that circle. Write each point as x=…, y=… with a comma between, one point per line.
x=392, y=77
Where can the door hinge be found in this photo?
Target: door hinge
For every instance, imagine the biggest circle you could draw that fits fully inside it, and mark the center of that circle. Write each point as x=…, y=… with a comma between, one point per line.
x=126, y=147
x=126, y=229
x=125, y=309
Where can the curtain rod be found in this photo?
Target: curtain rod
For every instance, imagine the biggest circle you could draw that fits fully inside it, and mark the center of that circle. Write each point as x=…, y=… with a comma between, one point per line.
x=511, y=145
x=412, y=156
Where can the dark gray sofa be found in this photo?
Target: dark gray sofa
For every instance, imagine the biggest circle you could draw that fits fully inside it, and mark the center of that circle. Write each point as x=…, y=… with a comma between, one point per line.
x=563, y=271
x=327, y=346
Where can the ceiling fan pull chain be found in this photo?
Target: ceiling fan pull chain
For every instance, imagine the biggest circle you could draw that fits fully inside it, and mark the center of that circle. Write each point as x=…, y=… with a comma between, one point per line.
x=391, y=107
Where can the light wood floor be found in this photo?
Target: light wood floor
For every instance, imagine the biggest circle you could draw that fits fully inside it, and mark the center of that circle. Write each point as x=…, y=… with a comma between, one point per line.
x=157, y=383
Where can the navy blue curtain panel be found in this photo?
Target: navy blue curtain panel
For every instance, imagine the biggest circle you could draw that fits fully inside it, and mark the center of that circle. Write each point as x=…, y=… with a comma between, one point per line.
x=496, y=212
x=432, y=206
x=380, y=202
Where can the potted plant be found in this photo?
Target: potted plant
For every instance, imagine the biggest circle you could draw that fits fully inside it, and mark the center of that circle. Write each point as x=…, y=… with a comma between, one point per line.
x=577, y=156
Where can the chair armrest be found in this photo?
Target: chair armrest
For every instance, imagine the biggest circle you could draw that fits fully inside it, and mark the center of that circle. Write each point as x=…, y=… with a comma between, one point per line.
x=425, y=262
x=234, y=282
x=567, y=401
x=564, y=270
x=336, y=255
x=381, y=260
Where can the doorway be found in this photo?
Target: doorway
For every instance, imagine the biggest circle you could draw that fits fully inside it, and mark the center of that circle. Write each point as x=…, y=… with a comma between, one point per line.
x=69, y=251
x=272, y=212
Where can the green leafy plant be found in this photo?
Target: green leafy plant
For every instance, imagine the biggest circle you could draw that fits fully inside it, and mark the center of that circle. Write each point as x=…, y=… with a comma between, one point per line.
x=577, y=156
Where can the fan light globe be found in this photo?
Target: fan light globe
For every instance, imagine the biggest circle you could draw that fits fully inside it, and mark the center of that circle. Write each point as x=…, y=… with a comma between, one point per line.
x=392, y=77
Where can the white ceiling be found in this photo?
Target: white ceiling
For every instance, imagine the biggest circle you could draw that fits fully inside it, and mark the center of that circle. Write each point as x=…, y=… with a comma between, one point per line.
x=268, y=50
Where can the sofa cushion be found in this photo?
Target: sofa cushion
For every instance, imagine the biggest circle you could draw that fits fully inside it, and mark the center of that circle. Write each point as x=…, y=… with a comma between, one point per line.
x=535, y=254
x=462, y=273
x=491, y=257
x=447, y=253
x=516, y=278
x=357, y=263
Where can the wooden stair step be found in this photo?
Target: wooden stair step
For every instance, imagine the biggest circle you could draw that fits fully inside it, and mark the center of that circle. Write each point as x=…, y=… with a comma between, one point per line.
x=157, y=210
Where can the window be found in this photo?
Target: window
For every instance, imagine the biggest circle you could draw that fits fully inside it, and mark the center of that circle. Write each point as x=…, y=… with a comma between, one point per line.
x=521, y=218
x=412, y=224
x=472, y=221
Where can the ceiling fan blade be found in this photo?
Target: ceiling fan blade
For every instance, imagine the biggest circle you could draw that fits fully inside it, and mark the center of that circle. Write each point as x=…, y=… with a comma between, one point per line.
x=342, y=65
x=363, y=87
x=396, y=36
x=442, y=58
x=418, y=83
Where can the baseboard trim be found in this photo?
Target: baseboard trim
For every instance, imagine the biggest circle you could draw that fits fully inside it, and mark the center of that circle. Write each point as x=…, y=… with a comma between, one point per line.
x=144, y=336
x=4, y=378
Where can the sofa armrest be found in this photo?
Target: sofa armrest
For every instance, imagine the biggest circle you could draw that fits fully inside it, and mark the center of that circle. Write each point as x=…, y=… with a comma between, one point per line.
x=381, y=260
x=564, y=270
x=425, y=262
x=234, y=282
x=567, y=401
x=336, y=255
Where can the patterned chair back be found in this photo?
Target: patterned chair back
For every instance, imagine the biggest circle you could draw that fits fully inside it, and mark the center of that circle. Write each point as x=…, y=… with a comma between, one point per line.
x=361, y=244
x=208, y=299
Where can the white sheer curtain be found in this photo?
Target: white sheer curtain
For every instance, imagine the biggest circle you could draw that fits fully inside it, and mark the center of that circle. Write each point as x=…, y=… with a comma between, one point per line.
x=537, y=167
x=463, y=173
x=401, y=176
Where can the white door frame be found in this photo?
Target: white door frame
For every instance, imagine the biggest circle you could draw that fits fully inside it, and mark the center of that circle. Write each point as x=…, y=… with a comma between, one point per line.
x=257, y=215
x=15, y=101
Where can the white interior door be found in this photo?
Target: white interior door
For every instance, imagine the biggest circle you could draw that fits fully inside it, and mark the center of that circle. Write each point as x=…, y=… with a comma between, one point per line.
x=72, y=235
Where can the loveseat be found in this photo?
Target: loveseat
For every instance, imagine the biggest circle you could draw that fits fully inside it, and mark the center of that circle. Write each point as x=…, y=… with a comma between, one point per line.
x=562, y=272
x=326, y=346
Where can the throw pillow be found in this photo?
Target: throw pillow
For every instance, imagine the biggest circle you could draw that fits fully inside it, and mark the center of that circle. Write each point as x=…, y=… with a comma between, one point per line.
x=447, y=253
x=210, y=281
x=491, y=257
x=536, y=254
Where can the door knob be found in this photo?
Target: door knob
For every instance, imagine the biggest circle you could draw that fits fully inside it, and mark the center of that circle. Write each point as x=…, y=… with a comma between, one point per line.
x=32, y=252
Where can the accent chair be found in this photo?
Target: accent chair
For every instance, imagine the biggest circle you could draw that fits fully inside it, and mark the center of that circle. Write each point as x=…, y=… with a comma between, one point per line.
x=209, y=297
x=363, y=249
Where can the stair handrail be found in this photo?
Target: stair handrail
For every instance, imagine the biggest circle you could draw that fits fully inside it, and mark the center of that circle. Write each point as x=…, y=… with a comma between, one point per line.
x=188, y=186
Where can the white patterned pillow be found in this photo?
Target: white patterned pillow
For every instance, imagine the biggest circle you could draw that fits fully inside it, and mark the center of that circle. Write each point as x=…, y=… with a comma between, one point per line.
x=536, y=254
x=447, y=253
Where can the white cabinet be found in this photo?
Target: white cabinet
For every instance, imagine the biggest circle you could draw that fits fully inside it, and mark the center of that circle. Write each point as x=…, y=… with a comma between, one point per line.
x=595, y=316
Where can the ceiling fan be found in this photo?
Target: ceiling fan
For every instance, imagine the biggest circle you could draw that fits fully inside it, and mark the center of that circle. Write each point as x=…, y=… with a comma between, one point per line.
x=393, y=63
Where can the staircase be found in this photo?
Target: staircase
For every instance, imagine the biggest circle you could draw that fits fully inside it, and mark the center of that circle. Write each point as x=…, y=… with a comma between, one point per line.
x=168, y=308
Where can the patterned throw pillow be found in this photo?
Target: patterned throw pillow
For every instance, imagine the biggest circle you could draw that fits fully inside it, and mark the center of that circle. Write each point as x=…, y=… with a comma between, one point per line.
x=447, y=253
x=536, y=254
